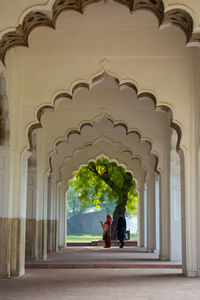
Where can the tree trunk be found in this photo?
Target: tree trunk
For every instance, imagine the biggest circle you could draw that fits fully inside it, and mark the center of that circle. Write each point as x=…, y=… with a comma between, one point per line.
x=119, y=208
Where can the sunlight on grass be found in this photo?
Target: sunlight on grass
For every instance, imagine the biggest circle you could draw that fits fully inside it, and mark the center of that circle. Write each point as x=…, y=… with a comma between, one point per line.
x=83, y=238
x=89, y=238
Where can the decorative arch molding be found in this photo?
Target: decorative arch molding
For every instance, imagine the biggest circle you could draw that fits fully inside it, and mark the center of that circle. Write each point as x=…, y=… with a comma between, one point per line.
x=88, y=85
x=91, y=124
x=94, y=159
x=115, y=145
x=179, y=17
x=104, y=119
x=103, y=141
x=82, y=158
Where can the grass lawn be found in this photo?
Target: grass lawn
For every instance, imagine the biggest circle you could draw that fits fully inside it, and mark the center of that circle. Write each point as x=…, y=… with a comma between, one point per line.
x=83, y=238
x=89, y=238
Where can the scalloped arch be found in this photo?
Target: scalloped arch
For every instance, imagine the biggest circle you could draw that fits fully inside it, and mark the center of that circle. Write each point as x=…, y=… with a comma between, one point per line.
x=135, y=170
x=91, y=124
x=94, y=79
x=108, y=141
x=145, y=142
x=119, y=163
x=105, y=141
x=179, y=17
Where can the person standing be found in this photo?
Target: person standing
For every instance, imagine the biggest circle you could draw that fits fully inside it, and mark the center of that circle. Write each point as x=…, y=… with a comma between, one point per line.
x=106, y=231
x=121, y=228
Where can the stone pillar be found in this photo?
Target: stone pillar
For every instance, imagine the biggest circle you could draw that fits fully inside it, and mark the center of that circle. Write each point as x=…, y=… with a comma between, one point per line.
x=141, y=216
x=151, y=216
x=45, y=215
x=62, y=218
x=197, y=110
x=145, y=215
x=183, y=220
x=41, y=200
x=190, y=182
x=57, y=209
x=18, y=194
x=165, y=209
x=52, y=219
x=175, y=203
x=198, y=216
x=49, y=223
x=157, y=214
x=31, y=214
x=5, y=212
x=191, y=214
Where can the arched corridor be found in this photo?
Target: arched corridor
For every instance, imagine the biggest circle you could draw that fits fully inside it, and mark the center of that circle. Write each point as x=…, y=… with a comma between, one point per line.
x=84, y=79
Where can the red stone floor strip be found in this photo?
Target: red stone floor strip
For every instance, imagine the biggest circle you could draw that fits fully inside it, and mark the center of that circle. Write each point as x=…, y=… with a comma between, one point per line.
x=103, y=266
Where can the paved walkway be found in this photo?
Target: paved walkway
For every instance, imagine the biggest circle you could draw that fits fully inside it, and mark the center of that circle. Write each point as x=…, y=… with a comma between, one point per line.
x=116, y=284
x=106, y=283
x=98, y=257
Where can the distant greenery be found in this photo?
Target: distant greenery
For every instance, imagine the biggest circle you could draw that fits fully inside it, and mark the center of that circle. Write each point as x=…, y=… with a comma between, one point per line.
x=89, y=238
x=83, y=238
x=102, y=185
x=103, y=179
x=74, y=207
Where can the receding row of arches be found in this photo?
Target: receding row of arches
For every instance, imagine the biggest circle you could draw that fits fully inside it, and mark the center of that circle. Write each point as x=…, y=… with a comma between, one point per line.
x=117, y=141
x=101, y=115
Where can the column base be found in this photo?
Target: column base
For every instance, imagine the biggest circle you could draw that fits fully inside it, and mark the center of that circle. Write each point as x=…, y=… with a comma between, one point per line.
x=190, y=273
x=51, y=235
x=17, y=274
x=5, y=238
x=18, y=228
x=156, y=251
x=4, y=276
x=164, y=258
x=150, y=250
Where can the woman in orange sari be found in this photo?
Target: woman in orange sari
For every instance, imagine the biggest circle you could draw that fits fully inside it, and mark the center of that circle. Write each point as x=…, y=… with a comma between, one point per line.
x=106, y=231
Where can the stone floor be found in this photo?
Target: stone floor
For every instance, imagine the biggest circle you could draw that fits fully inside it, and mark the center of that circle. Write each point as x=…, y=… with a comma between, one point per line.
x=84, y=284
x=78, y=257
x=136, y=283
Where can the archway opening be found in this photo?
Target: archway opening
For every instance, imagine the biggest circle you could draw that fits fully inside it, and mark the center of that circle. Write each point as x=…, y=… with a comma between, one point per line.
x=100, y=188
x=82, y=141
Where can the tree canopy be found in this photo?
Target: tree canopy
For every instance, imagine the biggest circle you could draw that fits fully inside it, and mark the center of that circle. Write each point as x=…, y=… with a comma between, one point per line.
x=103, y=181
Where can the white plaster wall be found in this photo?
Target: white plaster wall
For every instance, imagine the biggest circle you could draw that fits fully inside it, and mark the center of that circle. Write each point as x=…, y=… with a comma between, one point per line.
x=153, y=59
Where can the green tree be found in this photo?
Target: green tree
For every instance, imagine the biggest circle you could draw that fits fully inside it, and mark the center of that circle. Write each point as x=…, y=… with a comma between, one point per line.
x=73, y=206
x=102, y=180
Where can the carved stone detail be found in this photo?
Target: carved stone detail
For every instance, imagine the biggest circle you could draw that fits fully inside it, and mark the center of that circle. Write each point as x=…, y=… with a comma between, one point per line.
x=195, y=38
x=140, y=95
x=77, y=5
x=35, y=19
x=9, y=40
x=19, y=37
x=182, y=19
x=155, y=6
